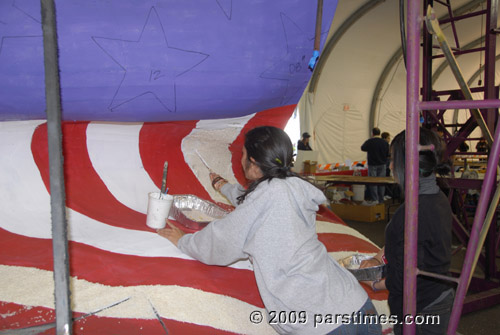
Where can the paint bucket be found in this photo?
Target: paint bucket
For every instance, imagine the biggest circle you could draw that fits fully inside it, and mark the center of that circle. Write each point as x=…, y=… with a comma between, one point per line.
x=359, y=192
x=158, y=209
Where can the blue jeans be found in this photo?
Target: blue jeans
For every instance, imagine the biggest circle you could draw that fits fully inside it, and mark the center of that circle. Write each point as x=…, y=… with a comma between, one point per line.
x=360, y=328
x=376, y=192
x=440, y=307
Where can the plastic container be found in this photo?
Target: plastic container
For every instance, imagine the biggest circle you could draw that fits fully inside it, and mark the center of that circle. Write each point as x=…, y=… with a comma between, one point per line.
x=158, y=209
x=359, y=192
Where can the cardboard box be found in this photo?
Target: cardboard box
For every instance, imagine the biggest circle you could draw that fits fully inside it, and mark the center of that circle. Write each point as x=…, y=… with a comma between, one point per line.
x=310, y=167
x=360, y=212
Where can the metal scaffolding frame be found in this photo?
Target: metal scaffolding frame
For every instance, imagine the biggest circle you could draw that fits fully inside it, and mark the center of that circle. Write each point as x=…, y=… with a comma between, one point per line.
x=57, y=189
x=485, y=115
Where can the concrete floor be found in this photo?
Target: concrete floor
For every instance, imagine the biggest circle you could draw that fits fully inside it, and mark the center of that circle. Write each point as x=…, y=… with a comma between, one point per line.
x=486, y=321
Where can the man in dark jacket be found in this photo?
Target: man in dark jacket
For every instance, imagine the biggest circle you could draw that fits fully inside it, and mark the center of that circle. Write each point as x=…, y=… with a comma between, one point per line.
x=378, y=151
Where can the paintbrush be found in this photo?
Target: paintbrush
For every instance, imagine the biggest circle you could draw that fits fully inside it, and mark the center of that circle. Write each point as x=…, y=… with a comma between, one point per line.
x=203, y=161
x=164, y=190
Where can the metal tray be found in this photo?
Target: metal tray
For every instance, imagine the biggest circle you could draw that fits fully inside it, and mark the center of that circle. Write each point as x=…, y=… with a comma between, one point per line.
x=352, y=263
x=188, y=202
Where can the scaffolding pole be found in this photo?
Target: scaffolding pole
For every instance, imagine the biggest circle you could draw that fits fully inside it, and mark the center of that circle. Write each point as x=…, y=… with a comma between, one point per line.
x=57, y=192
x=479, y=219
x=411, y=174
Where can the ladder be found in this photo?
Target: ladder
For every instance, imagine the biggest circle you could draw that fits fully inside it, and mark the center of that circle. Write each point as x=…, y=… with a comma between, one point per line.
x=484, y=113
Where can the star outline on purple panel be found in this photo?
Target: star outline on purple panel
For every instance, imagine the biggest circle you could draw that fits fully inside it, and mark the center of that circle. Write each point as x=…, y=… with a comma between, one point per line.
x=224, y=8
x=162, y=65
x=290, y=64
x=24, y=10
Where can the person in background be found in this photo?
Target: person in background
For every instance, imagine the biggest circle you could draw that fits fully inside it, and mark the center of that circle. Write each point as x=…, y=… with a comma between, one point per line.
x=274, y=226
x=434, y=297
x=463, y=147
x=378, y=151
x=303, y=143
x=390, y=191
x=386, y=136
x=482, y=145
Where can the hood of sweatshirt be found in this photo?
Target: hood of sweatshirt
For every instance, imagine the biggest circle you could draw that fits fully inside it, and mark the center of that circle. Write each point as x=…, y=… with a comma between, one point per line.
x=305, y=196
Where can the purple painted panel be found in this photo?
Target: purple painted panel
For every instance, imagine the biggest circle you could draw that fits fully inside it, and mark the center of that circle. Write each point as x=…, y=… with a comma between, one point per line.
x=140, y=60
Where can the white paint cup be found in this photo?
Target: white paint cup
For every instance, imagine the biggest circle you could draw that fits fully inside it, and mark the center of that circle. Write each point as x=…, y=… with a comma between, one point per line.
x=158, y=209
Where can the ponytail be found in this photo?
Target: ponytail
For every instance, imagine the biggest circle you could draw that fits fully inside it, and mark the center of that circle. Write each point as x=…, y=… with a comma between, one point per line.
x=272, y=151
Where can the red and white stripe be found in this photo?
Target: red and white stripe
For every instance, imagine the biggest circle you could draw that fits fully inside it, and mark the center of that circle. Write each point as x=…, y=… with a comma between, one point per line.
x=109, y=169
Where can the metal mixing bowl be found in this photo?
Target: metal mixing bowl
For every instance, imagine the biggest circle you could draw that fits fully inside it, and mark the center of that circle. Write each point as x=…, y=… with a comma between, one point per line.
x=186, y=202
x=352, y=263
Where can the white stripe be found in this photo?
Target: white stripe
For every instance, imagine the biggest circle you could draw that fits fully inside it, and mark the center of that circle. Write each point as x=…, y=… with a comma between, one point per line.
x=212, y=138
x=125, y=241
x=25, y=205
x=114, y=152
x=24, y=201
x=34, y=287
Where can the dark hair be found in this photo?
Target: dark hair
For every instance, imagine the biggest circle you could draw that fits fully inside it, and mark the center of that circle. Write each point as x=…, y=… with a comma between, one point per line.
x=375, y=131
x=430, y=161
x=272, y=151
x=385, y=135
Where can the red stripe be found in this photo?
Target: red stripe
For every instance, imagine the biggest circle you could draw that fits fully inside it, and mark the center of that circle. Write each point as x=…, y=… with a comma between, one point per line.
x=15, y=316
x=325, y=214
x=277, y=117
x=160, y=142
x=343, y=242
x=102, y=325
x=85, y=191
x=96, y=265
x=104, y=267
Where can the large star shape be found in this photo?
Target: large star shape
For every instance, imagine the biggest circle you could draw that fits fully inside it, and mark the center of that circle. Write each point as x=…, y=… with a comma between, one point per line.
x=292, y=66
x=227, y=7
x=150, y=65
x=19, y=20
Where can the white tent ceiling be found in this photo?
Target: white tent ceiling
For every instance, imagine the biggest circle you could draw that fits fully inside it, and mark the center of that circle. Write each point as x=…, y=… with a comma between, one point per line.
x=362, y=82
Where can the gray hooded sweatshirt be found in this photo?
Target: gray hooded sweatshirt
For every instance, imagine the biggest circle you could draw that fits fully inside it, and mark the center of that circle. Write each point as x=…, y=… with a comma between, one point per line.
x=275, y=227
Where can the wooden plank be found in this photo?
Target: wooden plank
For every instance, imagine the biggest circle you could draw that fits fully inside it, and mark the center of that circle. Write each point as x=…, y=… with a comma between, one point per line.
x=338, y=179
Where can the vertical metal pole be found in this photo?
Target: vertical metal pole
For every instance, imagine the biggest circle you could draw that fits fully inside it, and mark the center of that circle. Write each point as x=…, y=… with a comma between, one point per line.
x=490, y=176
x=484, y=200
x=427, y=60
x=57, y=192
x=491, y=114
x=319, y=17
x=489, y=60
x=411, y=175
